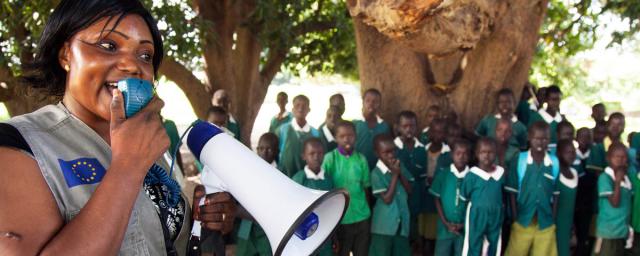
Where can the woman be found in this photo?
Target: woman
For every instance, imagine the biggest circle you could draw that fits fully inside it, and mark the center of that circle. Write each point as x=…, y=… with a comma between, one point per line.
x=78, y=178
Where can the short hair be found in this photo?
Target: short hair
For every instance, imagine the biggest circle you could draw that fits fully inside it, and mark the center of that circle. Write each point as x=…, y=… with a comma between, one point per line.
x=406, y=114
x=216, y=110
x=271, y=138
x=505, y=92
x=337, y=95
x=552, y=89
x=565, y=124
x=597, y=105
x=485, y=141
x=345, y=123
x=538, y=126
x=301, y=97
x=583, y=129
x=439, y=121
x=616, y=115
x=373, y=91
x=562, y=144
x=460, y=143
x=282, y=94
x=311, y=141
x=616, y=145
x=383, y=137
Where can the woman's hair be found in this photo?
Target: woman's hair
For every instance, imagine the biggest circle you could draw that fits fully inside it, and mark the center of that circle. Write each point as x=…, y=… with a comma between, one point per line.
x=69, y=17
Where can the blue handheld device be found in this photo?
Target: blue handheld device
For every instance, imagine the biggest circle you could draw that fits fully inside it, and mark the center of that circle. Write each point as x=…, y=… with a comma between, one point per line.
x=137, y=93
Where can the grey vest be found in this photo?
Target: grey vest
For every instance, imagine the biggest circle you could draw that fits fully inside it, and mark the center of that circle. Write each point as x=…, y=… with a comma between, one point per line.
x=53, y=135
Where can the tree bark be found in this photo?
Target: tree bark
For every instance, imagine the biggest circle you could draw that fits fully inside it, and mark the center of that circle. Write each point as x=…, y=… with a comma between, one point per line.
x=456, y=54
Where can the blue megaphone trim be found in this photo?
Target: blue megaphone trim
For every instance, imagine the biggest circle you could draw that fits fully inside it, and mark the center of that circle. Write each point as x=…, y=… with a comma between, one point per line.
x=199, y=135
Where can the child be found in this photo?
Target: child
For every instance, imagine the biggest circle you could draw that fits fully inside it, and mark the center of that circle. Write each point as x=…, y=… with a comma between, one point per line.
x=221, y=99
x=614, y=203
x=532, y=186
x=327, y=129
x=451, y=209
x=505, y=104
x=293, y=134
x=615, y=127
x=505, y=151
x=564, y=131
x=433, y=112
x=454, y=132
x=567, y=186
x=599, y=133
x=251, y=237
x=551, y=114
x=599, y=113
x=482, y=190
x=586, y=195
x=313, y=176
x=337, y=100
x=370, y=125
x=283, y=116
x=524, y=107
x=219, y=117
x=348, y=169
x=390, y=183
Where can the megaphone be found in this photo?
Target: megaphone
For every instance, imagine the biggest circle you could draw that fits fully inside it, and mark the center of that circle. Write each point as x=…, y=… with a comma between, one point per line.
x=296, y=219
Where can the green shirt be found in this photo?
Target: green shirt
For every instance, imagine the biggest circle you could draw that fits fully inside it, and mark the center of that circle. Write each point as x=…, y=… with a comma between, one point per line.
x=511, y=154
x=365, y=135
x=424, y=136
x=275, y=123
x=536, y=193
x=352, y=174
x=442, y=162
x=327, y=138
x=234, y=127
x=446, y=186
x=523, y=110
x=415, y=160
x=564, y=215
x=487, y=128
x=309, y=179
x=553, y=122
x=482, y=189
x=387, y=217
x=172, y=132
x=634, y=175
x=612, y=222
x=292, y=138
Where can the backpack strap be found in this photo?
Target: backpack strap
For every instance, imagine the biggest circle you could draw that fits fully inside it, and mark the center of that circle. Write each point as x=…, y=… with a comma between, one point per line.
x=522, y=168
x=555, y=167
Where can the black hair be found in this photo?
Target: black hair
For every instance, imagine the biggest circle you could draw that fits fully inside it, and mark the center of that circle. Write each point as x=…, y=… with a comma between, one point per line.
x=282, y=94
x=69, y=17
x=301, y=97
x=406, y=114
x=337, y=95
x=617, y=145
x=505, y=92
x=597, y=105
x=562, y=144
x=272, y=138
x=344, y=123
x=552, y=89
x=440, y=121
x=486, y=141
x=380, y=138
x=216, y=110
x=460, y=143
x=333, y=108
x=616, y=115
x=583, y=129
x=373, y=91
x=538, y=126
x=565, y=124
x=309, y=141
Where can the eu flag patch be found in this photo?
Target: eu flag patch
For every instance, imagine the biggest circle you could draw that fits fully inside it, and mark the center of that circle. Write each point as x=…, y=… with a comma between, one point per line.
x=82, y=171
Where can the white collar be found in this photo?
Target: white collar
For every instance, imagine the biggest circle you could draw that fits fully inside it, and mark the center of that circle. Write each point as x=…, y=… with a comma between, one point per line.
x=496, y=175
x=231, y=119
x=327, y=133
x=547, y=159
x=582, y=156
x=570, y=183
x=286, y=114
x=425, y=130
x=313, y=176
x=533, y=106
x=514, y=118
x=297, y=128
x=378, y=119
x=445, y=147
x=274, y=164
x=457, y=173
x=626, y=183
x=548, y=118
x=400, y=144
x=383, y=167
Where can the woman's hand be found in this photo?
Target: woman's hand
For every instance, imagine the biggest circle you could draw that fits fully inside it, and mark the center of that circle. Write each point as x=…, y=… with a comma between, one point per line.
x=218, y=212
x=137, y=142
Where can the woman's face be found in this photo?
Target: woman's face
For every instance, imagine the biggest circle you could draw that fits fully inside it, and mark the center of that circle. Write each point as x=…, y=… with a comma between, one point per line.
x=98, y=57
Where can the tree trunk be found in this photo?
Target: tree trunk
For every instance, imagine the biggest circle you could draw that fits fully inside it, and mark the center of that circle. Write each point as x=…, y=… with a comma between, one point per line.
x=456, y=55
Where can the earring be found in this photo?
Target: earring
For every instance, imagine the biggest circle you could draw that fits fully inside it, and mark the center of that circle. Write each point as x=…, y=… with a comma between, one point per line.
x=66, y=67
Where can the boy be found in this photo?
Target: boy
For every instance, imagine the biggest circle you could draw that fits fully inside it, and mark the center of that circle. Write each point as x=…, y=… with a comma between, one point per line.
x=252, y=239
x=313, y=176
x=532, y=186
x=219, y=117
x=586, y=195
x=390, y=183
x=567, y=187
x=446, y=189
x=283, y=116
x=221, y=99
x=564, y=131
x=524, y=107
x=370, y=125
x=615, y=127
x=337, y=100
x=505, y=151
x=454, y=132
x=599, y=113
x=599, y=133
x=614, y=203
x=482, y=190
x=348, y=169
x=551, y=114
x=293, y=134
x=327, y=129
x=433, y=112
x=505, y=104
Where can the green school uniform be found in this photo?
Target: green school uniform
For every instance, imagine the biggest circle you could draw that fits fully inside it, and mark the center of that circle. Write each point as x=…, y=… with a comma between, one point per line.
x=351, y=173
x=536, y=191
x=275, y=123
x=612, y=222
x=393, y=218
x=487, y=128
x=252, y=240
x=564, y=215
x=442, y=162
x=292, y=137
x=553, y=122
x=597, y=160
x=483, y=220
x=319, y=181
x=424, y=136
x=446, y=186
x=234, y=127
x=415, y=160
x=523, y=111
x=172, y=132
x=327, y=138
x=634, y=176
x=364, y=138
x=511, y=154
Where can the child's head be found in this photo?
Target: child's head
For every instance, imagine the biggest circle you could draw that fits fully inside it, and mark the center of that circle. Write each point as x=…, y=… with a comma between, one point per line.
x=460, y=150
x=506, y=102
x=504, y=130
x=345, y=134
x=332, y=117
x=433, y=112
x=371, y=101
x=300, y=107
x=268, y=147
x=313, y=153
x=599, y=133
x=553, y=97
x=617, y=156
x=221, y=99
x=282, y=99
x=385, y=148
x=218, y=116
x=526, y=91
x=565, y=130
x=486, y=152
x=337, y=100
x=541, y=95
x=539, y=137
x=583, y=136
x=599, y=113
x=615, y=125
x=407, y=125
x=566, y=152
x=454, y=132
x=438, y=131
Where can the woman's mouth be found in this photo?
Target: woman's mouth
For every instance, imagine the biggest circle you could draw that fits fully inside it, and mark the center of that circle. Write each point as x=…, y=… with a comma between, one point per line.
x=110, y=86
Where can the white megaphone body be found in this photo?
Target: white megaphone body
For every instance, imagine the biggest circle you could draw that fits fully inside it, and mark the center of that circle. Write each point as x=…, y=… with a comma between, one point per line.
x=296, y=219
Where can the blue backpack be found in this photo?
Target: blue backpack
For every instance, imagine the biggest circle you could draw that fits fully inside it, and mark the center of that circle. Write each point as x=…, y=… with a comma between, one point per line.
x=522, y=167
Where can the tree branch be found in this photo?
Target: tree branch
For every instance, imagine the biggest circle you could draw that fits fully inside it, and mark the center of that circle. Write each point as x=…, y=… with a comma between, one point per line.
x=192, y=87
x=312, y=26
